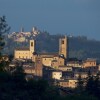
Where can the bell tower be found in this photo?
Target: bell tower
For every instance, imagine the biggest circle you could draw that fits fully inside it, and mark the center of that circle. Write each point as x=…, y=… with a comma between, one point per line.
x=32, y=47
x=63, y=47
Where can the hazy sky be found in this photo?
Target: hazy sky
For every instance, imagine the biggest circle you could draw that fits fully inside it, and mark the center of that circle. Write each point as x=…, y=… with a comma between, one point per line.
x=79, y=17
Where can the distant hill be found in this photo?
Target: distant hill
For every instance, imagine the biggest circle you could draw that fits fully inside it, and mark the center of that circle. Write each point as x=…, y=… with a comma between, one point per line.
x=82, y=48
x=79, y=46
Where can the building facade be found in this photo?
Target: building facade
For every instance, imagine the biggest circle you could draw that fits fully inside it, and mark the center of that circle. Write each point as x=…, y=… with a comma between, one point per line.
x=25, y=53
x=89, y=63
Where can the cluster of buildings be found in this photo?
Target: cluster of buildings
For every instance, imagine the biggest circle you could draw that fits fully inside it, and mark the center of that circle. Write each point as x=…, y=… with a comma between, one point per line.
x=57, y=68
x=23, y=36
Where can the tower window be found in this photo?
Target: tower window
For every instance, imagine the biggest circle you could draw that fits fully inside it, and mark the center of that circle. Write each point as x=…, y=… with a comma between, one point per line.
x=31, y=43
x=62, y=41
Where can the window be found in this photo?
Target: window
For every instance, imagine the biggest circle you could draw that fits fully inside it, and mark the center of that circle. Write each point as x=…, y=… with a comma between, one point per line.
x=62, y=41
x=75, y=82
x=31, y=43
x=70, y=82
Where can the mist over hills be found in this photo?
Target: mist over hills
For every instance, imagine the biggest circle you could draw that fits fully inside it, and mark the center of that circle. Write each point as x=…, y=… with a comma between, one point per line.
x=79, y=46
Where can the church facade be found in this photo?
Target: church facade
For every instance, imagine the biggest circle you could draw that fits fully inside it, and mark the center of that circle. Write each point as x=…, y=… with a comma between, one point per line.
x=25, y=53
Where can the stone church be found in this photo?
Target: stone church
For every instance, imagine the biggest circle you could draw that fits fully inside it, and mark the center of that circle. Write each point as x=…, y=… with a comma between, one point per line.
x=25, y=53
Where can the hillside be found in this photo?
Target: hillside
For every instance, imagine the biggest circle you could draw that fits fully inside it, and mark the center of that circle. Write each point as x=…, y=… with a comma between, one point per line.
x=79, y=46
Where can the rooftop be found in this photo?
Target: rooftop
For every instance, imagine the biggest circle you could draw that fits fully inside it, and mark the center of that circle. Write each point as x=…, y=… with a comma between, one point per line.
x=23, y=48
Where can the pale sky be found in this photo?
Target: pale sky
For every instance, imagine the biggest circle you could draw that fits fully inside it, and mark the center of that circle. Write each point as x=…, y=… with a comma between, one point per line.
x=79, y=17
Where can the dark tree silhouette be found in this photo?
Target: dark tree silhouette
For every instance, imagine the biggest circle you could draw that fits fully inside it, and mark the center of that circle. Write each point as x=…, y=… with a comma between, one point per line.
x=80, y=85
x=4, y=28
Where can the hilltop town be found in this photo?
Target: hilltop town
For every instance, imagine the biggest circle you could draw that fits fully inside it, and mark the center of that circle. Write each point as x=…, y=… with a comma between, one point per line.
x=55, y=66
x=49, y=50
x=22, y=36
x=79, y=46
x=31, y=68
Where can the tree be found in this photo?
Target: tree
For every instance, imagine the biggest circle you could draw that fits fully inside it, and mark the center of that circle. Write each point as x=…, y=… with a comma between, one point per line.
x=4, y=28
x=93, y=85
x=80, y=85
x=89, y=83
x=96, y=90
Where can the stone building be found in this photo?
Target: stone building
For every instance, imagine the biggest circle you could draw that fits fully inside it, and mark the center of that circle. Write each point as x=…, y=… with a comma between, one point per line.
x=70, y=83
x=38, y=67
x=89, y=62
x=25, y=53
x=55, y=59
x=43, y=59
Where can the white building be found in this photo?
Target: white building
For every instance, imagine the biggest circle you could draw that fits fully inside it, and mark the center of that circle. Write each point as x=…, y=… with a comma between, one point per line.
x=56, y=75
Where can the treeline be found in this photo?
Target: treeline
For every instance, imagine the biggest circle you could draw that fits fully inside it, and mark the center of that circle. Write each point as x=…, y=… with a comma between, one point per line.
x=89, y=85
